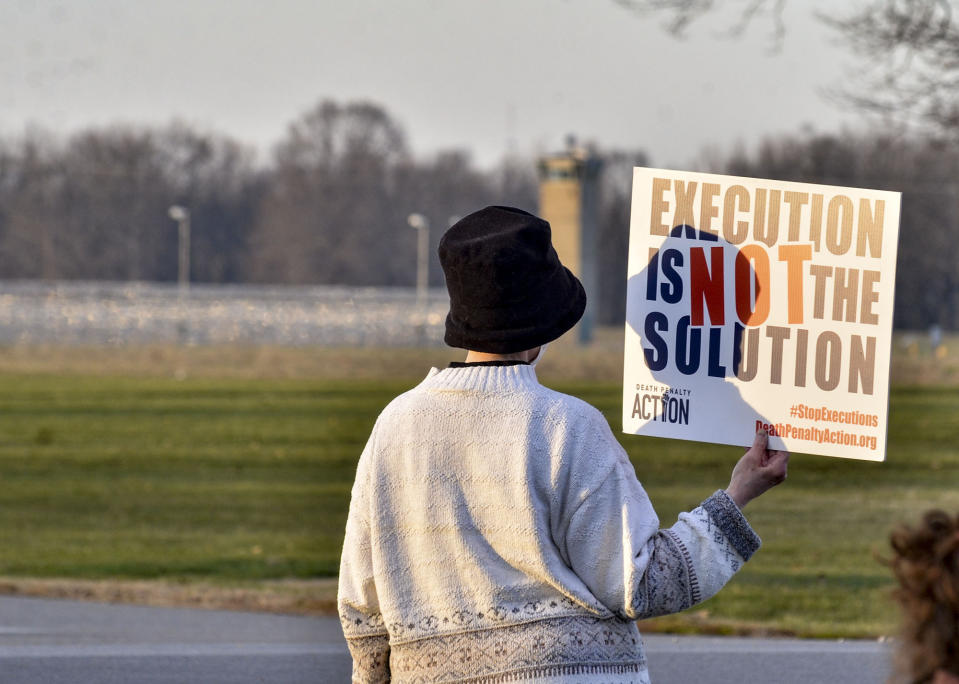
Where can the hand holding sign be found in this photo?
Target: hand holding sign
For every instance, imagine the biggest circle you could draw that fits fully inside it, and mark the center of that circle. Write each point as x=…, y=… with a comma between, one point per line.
x=758, y=471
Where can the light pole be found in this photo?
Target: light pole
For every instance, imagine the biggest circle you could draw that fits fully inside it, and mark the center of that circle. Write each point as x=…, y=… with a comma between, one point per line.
x=182, y=216
x=422, y=225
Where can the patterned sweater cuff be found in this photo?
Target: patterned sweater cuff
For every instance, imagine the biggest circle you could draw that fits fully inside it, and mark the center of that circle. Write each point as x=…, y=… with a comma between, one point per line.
x=726, y=514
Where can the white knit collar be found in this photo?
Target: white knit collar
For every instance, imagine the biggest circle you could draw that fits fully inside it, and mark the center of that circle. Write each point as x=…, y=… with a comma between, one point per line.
x=483, y=378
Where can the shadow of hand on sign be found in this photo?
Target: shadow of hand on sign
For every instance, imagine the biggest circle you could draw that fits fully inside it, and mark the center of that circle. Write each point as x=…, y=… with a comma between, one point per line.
x=695, y=307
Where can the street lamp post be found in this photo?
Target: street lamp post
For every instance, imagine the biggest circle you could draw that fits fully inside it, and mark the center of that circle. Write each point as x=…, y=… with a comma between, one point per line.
x=182, y=216
x=422, y=225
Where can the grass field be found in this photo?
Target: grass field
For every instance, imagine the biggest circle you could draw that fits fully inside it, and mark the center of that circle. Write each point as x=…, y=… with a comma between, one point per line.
x=244, y=481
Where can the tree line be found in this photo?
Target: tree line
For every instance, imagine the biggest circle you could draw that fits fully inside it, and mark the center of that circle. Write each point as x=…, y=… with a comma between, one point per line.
x=329, y=207
x=331, y=204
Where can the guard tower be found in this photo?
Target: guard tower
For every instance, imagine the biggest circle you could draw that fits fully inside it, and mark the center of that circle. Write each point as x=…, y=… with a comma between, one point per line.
x=569, y=200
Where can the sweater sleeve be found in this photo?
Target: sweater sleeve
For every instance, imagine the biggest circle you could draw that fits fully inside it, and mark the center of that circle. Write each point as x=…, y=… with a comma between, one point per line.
x=637, y=570
x=357, y=599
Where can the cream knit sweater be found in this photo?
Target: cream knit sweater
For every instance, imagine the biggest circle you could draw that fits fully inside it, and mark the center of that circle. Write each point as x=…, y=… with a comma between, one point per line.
x=497, y=533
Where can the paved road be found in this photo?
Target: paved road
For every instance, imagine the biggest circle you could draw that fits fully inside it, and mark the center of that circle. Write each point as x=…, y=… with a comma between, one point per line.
x=679, y=660
x=54, y=642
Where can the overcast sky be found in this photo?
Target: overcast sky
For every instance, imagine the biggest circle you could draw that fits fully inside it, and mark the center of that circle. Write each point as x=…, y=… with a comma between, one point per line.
x=480, y=74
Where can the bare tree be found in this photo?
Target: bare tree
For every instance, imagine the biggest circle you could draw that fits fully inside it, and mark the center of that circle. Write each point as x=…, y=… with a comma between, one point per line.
x=681, y=14
x=341, y=188
x=111, y=206
x=95, y=206
x=215, y=176
x=910, y=55
x=909, y=50
x=612, y=244
x=31, y=182
x=330, y=213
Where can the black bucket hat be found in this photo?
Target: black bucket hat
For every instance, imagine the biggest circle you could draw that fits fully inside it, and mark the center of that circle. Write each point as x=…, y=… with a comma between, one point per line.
x=508, y=290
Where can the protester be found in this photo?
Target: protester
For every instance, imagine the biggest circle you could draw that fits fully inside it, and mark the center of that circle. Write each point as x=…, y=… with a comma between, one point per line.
x=497, y=531
x=926, y=564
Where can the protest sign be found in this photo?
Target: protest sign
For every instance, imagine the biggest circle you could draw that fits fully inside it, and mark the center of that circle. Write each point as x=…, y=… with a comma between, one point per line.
x=760, y=304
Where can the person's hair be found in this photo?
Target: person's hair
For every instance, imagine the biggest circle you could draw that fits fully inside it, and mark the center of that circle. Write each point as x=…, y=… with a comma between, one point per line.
x=925, y=562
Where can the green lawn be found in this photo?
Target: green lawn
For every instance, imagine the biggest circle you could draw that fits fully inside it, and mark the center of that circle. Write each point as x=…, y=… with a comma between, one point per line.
x=154, y=477
x=236, y=479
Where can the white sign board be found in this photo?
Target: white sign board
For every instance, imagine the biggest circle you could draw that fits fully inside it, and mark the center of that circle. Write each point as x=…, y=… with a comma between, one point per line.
x=760, y=304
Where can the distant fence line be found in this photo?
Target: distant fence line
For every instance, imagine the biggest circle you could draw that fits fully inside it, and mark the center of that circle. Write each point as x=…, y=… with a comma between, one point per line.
x=121, y=313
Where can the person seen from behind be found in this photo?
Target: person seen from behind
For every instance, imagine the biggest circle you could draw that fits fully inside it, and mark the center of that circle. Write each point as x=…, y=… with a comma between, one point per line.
x=497, y=530
x=925, y=563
